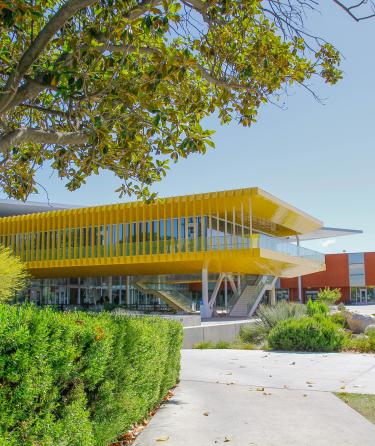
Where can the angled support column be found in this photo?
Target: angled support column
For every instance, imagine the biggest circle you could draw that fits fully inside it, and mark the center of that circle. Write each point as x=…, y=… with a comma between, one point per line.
x=215, y=291
x=231, y=283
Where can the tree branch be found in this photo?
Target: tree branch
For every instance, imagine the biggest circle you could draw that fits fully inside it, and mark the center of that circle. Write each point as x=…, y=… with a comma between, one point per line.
x=67, y=11
x=8, y=97
x=125, y=49
x=37, y=136
x=48, y=111
x=349, y=10
x=141, y=8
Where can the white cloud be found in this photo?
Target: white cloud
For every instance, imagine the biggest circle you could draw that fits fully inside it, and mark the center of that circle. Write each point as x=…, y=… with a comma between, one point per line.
x=326, y=243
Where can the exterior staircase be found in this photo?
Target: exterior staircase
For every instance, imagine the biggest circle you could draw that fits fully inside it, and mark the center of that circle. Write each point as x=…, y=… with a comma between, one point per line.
x=251, y=296
x=174, y=298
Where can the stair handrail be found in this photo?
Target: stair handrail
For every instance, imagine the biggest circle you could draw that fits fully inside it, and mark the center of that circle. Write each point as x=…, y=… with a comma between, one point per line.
x=260, y=289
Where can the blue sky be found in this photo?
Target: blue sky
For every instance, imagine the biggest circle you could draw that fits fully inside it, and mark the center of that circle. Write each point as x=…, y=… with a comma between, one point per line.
x=319, y=158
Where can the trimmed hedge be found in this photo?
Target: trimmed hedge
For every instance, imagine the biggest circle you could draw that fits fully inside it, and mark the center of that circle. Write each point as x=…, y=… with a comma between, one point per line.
x=307, y=334
x=76, y=379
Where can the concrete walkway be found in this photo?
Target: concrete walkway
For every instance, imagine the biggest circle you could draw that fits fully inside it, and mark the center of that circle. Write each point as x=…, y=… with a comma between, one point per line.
x=257, y=398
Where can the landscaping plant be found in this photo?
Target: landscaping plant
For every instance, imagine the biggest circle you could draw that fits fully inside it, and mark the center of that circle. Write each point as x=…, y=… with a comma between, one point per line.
x=329, y=296
x=339, y=319
x=79, y=379
x=314, y=308
x=307, y=334
x=13, y=274
x=267, y=317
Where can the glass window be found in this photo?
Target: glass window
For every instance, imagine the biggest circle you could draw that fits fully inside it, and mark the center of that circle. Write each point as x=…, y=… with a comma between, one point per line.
x=148, y=237
x=114, y=239
x=84, y=241
x=356, y=257
x=134, y=238
x=140, y=238
x=168, y=230
x=357, y=280
x=161, y=236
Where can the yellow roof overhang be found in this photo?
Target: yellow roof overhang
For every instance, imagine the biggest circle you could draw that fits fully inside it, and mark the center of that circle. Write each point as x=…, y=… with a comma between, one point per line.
x=267, y=213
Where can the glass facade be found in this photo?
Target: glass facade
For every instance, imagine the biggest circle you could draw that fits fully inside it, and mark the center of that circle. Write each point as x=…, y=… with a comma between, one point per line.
x=356, y=269
x=148, y=237
x=86, y=292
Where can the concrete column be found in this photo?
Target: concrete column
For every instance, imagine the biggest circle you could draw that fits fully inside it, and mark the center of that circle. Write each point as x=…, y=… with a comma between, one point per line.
x=299, y=280
x=110, y=298
x=226, y=292
x=127, y=292
x=121, y=279
x=239, y=284
x=273, y=296
x=205, y=310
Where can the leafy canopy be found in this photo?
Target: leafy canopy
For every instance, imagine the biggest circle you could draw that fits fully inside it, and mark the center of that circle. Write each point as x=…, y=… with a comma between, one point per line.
x=13, y=274
x=123, y=85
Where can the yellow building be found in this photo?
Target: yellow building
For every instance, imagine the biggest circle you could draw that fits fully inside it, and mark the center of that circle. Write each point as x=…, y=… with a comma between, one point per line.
x=154, y=253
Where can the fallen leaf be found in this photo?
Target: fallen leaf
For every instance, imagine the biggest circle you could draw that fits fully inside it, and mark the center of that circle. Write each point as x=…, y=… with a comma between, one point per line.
x=227, y=440
x=260, y=389
x=162, y=439
x=205, y=414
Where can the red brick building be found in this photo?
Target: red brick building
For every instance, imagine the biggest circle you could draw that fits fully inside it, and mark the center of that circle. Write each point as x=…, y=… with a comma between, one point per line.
x=353, y=274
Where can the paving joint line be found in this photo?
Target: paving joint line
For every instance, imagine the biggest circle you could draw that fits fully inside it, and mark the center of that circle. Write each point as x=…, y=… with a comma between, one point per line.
x=232, y=383
x=362, y=374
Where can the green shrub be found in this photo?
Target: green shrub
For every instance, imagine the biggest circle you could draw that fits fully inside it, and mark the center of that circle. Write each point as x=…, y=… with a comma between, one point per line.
x=78, y=379
x=268, y=316
x=204, y=345
x=314, y=308
x=13, y=274
x=221, y=345
x=370, y=330
x=307, y=334
x=329, y=296
x=361, y=344
x=339, y=319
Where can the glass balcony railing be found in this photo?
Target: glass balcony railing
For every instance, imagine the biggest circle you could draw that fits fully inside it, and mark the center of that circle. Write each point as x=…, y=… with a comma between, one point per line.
x=281, y=245
x=213, y=243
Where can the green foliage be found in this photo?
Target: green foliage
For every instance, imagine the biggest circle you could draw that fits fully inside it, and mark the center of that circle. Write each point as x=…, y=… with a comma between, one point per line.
x=78, y=379
x=361, y=343
x=329, y=296
x=204, y=345
x=222, y=345
x=339, y=319
x=13, y=274
x=315, y=308
x=307, y=334
x=268, y=316
x=127, y=84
